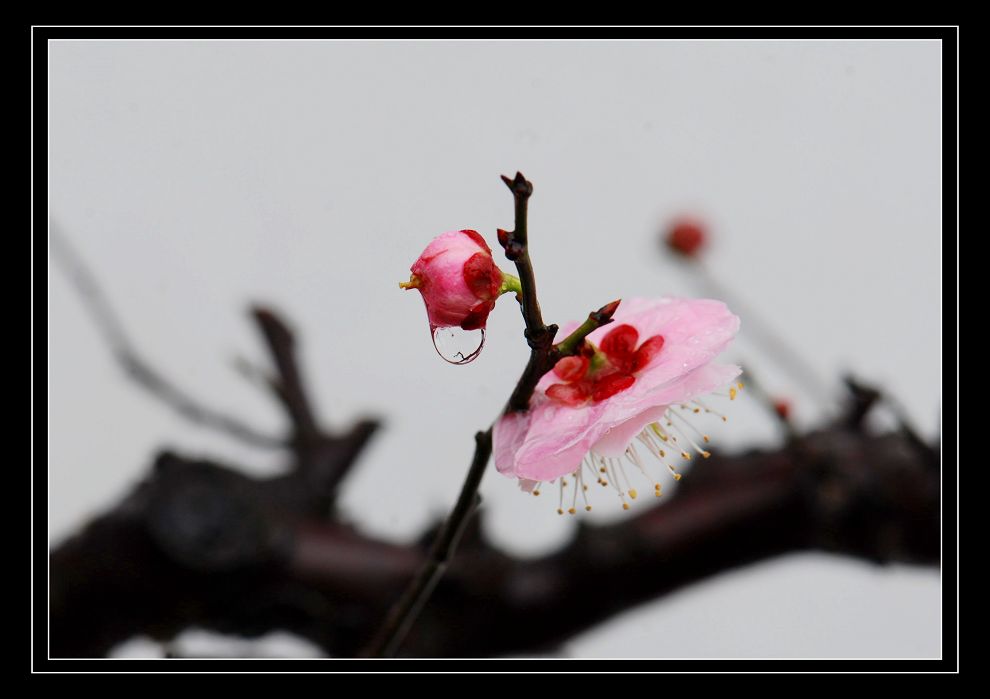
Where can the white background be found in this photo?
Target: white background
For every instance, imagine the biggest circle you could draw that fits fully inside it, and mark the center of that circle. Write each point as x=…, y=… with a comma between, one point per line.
x=197, y=177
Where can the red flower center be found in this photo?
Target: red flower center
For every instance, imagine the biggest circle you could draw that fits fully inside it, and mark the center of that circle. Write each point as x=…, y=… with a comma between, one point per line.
x=613, y=370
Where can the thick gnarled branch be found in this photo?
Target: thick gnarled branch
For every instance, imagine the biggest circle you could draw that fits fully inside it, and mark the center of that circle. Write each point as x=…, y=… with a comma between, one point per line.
x=250, y=558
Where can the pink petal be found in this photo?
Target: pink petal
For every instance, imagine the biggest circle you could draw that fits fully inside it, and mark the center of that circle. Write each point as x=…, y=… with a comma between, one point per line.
x=557, y=439
x=616, y=439
x=508, y=436
x=622, y=423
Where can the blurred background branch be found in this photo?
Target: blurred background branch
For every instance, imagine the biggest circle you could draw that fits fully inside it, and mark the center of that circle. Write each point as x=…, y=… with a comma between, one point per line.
x=198, y=543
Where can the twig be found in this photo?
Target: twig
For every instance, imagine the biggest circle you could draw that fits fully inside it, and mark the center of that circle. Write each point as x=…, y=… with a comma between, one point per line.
x=596, y=319
x=770, y=341
x=289, y=386
x=323, y=458
x=541, y=359
x=140, y=371
x=539, y=336
x=405, y=612
x=516, y=246
x=767, y=401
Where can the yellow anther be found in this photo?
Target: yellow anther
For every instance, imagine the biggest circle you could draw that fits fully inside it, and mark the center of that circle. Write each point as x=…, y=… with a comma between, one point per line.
x=685, y=456
x=706, y=454
x=571, y=511
x=560, y=511
x=536, y=492
x=632, y=493
x=587, y=508
x=706, y=438
x=732, y=393
x=625, y=506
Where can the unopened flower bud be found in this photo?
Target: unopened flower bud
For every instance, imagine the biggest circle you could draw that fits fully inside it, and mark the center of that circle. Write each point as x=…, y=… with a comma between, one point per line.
x=686, y=237
x=458, y=280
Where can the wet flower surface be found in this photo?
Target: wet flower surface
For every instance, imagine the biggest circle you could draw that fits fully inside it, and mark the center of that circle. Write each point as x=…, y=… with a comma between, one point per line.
x=458, y=280
x=626, y=387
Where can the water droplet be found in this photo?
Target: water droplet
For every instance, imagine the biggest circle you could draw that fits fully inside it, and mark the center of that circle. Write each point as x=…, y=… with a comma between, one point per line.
x=458, y=346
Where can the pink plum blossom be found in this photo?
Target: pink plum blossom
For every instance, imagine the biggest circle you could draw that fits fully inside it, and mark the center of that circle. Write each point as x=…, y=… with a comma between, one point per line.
x=656, y=355
x=458, y=280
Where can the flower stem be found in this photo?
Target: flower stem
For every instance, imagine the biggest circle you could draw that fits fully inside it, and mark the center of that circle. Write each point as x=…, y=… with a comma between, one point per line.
x=596, y=319
x=512, y=284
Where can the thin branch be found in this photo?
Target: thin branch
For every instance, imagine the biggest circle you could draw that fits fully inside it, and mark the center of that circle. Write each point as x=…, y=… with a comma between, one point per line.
x=596, y=319
x=542, y=358
x=540, y=338
x=289, y=386
x=768, y=339
x=768, y=402
x=136, y=368
x=405, y=612
x=516, y=245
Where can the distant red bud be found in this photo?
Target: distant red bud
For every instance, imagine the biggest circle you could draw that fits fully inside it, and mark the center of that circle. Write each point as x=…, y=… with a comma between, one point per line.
x=782, y=407
x=686, y=237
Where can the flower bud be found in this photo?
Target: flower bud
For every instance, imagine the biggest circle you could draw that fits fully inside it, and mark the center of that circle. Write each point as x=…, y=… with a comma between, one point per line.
x=458, y=279
x=686, y=237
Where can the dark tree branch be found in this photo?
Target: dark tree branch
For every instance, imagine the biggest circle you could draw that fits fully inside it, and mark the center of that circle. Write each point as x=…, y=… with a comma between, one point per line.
x=516, y=246
x=539, y=335
x=289, y=386
x=543, y=355
x=136, y=368
x=200, y=545
x=322, y=459
x=407, y=609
